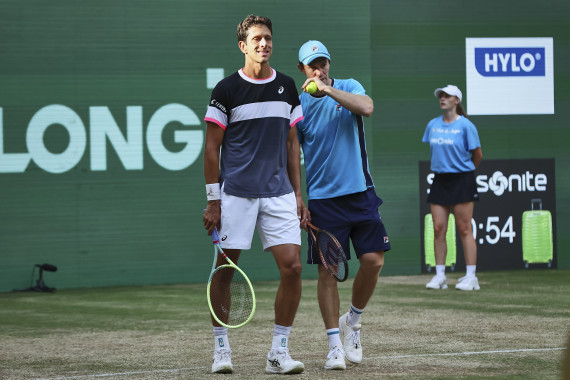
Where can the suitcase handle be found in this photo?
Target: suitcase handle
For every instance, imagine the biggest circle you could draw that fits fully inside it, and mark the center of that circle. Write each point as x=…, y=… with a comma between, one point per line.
x=536, y=200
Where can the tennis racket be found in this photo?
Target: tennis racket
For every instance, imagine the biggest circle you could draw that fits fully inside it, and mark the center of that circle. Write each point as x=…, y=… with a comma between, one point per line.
x=230, y=294
x=331, y=252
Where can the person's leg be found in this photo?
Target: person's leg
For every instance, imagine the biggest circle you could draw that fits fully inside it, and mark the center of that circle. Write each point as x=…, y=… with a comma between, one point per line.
x=463, y=215
x=280, y=232
x=370, y=241
x=362, y=289
x=327, y=294
x=366, y=278
x=324, y=213
x=287, y=257
x=220, y=288
x=440, y=215
x=238, y=219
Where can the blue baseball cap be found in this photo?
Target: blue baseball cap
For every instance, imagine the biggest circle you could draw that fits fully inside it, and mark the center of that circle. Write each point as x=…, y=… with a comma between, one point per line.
x=311, y=50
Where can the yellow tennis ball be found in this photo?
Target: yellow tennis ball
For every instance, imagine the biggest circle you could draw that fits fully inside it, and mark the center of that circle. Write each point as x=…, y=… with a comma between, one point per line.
x=311, y=88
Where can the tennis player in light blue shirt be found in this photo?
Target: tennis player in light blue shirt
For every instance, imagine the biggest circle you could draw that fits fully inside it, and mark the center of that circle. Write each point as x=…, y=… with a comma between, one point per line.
x=342, y=199
x=333, y=144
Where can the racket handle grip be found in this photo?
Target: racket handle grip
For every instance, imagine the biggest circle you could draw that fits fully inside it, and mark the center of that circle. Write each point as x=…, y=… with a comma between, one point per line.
x=215, y=237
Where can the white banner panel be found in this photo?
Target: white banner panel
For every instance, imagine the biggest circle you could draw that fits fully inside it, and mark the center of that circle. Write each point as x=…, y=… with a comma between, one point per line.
x=509, y=76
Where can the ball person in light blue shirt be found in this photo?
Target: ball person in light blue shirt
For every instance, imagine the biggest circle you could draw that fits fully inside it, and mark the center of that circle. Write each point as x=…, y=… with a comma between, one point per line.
x=455, y=153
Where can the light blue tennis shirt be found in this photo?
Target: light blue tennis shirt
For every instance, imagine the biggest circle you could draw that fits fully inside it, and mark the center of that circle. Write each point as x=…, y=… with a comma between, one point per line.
x=333, y=143
x=451, y=144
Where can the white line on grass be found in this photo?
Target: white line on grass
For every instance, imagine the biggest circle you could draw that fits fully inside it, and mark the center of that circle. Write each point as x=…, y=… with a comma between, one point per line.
x=468, y=353
x=123, y=373
x=373, y=358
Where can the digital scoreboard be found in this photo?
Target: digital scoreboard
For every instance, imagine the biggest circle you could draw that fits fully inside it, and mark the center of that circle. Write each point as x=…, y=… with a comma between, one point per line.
x=508, y=189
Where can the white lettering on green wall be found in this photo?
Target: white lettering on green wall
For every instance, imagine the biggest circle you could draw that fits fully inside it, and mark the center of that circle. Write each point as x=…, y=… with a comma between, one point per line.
x=104, y=128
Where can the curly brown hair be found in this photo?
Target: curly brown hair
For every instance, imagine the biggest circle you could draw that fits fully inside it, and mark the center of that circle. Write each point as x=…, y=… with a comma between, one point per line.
x=248, y=22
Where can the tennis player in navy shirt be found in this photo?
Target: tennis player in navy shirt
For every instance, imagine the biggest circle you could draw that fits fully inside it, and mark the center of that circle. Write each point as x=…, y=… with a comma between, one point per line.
x=252, y=173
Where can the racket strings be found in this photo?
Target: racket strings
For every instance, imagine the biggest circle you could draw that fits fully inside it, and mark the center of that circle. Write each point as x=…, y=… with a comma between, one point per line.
x=230, y=296
x=333, y=254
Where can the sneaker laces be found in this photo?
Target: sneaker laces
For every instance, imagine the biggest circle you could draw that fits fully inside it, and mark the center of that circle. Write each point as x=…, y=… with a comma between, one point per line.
x=336, y=350
x=283, y=355
x=223, y=355
x=355, y=338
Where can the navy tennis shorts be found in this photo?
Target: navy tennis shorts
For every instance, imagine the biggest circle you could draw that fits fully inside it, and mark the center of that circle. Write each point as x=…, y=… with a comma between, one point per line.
x=353, y=217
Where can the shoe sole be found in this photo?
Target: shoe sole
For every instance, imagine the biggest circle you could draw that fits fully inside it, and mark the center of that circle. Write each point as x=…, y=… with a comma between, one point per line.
x=336, y=368
x=468, y=290
x=434, y=288
x=224, y=370
x=292, y=371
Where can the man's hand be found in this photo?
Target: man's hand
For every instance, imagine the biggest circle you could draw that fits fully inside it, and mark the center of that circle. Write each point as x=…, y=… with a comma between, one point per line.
x=212, y=216
x=303, y=213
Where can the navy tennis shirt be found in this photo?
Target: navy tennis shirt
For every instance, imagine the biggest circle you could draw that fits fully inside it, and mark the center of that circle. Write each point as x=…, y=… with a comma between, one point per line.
x=257, y=115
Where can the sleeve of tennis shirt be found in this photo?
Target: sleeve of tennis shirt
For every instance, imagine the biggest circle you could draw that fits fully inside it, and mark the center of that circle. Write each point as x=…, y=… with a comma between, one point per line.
x=217, y=111
x=296, y=109
x=296, y=115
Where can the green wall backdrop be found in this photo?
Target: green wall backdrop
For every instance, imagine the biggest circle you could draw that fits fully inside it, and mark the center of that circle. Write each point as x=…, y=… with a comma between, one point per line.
x=126, y=208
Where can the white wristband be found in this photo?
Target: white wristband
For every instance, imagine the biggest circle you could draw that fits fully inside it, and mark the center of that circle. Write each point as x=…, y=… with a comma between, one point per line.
x=213, y=191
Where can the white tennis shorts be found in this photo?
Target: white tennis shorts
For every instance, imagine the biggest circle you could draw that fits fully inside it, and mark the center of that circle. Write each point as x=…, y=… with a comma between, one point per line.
x=275, y=218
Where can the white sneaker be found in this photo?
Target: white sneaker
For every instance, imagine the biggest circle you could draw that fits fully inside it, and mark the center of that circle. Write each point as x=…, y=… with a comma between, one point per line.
x=351, y=340
x=437, y=282
x=469, y=283
x=335, y=358
x=222, y=362
x=461, y=278
x=279, y=361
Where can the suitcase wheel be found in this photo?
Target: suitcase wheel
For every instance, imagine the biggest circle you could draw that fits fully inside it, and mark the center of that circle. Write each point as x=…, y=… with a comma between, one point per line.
x=548, y=264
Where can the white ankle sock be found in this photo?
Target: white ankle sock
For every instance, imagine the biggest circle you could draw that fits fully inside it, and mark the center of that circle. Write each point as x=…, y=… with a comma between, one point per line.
x=440, y=270
x=280, y=337
x=354, y=316
x=334, y=338
x=221, y=338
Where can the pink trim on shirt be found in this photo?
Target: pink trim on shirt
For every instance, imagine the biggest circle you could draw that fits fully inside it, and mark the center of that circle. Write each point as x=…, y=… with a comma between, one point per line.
x=215, y=121
x=268, y=79
x=296, y=121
